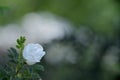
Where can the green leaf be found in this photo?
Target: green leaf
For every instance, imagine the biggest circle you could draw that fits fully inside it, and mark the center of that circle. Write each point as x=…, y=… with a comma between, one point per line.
x=18, y=46
x=13, y=55
x=14, y=51
x=18, y=41
x=38, y=67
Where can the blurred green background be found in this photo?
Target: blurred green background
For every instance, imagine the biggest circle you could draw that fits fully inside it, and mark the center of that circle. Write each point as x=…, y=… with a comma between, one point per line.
x=90, y=47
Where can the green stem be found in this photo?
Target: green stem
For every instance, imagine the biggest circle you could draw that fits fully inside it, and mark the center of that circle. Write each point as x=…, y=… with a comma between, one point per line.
x=20, y=64
x=21, y=51
x=19, y=70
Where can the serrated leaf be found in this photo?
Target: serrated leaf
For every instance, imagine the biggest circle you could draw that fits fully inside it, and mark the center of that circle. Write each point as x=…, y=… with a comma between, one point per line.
x=14, y=51
x=20, y=37
x=13, y=61
x=18, y=46
x=11, y=55
x=9, y=51
x=18, y=41
x=23, y=41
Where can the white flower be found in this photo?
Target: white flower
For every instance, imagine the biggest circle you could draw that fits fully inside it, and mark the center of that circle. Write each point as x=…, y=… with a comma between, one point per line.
x=33, y=53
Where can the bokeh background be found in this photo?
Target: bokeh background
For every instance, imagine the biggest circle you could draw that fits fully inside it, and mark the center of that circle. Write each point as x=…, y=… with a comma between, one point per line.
x=81, y=37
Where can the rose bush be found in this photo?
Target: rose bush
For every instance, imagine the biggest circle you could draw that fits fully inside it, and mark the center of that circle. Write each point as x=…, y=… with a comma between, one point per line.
x=16, y=67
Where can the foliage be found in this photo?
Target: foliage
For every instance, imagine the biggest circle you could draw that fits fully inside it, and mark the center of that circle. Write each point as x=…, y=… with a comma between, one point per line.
x=16, y=68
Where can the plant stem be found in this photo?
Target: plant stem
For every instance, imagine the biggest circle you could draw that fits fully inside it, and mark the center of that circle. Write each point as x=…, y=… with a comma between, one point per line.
x=20, y=62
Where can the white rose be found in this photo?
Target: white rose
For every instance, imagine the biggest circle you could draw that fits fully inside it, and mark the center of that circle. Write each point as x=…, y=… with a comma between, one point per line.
x=33, y=53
